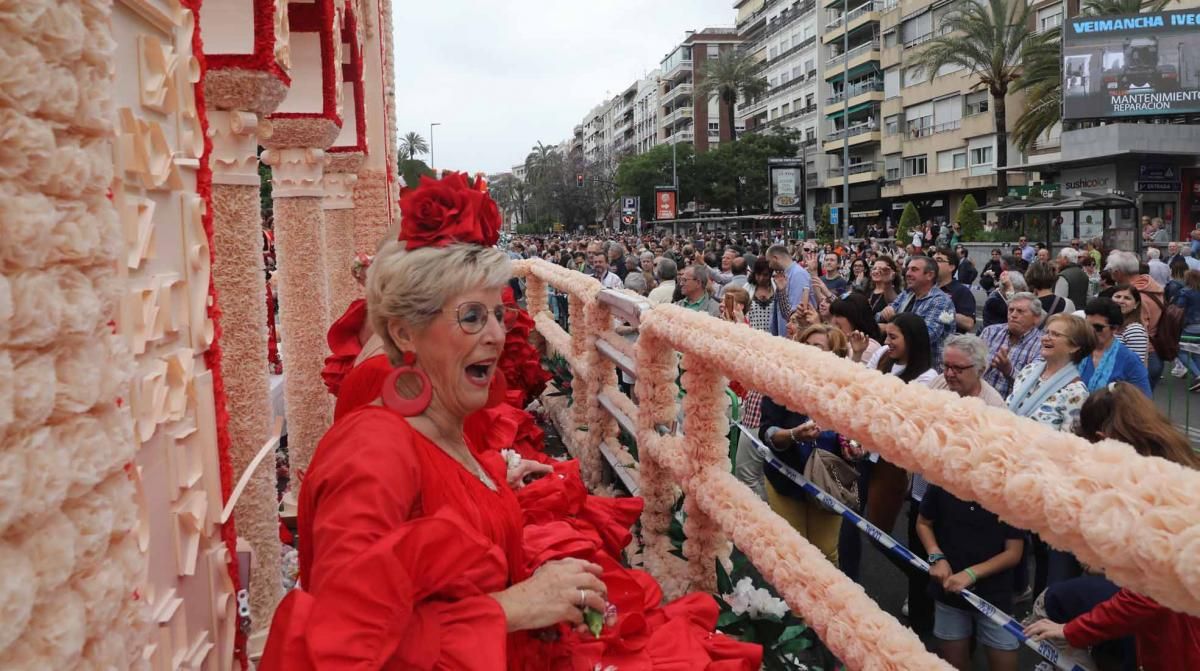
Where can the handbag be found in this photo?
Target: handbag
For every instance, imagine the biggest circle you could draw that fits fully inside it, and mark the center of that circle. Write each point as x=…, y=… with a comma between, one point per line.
x=833, y=475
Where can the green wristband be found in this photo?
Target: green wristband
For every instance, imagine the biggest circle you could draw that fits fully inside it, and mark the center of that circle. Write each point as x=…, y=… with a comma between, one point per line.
x=971, y=574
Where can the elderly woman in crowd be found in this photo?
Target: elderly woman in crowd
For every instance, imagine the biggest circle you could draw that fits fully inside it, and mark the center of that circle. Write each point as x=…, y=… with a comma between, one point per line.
x=793, y=437
x=1111, y=361
x=1050, y=392
x=412, y=540
x=995, y=308
x=1091, y=610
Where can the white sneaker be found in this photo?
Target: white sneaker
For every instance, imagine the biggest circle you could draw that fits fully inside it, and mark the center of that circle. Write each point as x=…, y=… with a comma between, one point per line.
x=904, y=608
x=1179, y=370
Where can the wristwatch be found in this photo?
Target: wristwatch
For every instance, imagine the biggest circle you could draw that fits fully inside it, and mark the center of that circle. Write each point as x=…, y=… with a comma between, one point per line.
x=935, y=557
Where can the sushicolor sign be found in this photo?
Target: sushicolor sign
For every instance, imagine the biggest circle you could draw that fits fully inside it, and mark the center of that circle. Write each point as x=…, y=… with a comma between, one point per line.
x=1138, y=65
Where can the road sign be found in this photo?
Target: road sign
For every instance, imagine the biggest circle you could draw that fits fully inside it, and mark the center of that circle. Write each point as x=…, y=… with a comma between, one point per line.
x=629, y=203
x=627, y=219
x=833, y=215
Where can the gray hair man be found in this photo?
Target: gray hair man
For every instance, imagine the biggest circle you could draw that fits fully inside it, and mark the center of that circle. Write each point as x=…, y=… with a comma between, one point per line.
x=1159, y=271
x=964, y=360
x=665, y=291
x=1072, y=282
x=693, y=282
x=1015, y=343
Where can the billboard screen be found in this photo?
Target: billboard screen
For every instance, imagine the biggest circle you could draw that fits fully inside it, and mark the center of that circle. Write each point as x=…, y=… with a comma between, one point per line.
x=664, y=203
x=1135, y=65
x=787, y=186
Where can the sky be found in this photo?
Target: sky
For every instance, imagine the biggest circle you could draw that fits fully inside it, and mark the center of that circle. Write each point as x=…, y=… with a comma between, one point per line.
x=501, y=75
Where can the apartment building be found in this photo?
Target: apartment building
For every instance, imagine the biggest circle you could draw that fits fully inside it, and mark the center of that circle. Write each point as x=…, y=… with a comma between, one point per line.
x=938, y=135
x=852, y=72
x=782, y=36
x=683, y=117
x=645, y=114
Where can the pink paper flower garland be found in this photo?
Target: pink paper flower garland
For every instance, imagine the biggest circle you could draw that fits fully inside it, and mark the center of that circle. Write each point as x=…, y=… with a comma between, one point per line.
x=1132, y=516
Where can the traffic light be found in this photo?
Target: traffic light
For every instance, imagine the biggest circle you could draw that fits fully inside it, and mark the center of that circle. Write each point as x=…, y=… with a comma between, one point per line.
x=579, y=180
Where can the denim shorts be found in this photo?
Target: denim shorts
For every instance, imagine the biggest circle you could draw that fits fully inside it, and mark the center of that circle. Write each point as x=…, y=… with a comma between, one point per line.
x=953, y=624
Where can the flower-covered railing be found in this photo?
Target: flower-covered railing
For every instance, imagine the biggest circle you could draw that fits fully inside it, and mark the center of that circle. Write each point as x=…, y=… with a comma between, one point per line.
x=1131, y=516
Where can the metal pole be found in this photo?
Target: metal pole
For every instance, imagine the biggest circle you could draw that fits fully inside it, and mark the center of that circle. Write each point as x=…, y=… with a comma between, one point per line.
x=674, y=176
x=843, y=222
x=436, y=123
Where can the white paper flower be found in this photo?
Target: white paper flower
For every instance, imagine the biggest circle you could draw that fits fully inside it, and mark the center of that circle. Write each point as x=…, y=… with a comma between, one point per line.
x=946, y=318
x=512, y=458
x=756, y=602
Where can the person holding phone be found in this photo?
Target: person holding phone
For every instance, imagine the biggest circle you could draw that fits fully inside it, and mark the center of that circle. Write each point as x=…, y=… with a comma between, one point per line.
x=792, y=285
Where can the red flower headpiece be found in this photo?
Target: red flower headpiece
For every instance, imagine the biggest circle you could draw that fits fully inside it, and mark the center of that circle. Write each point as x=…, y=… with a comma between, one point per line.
x=439, y=213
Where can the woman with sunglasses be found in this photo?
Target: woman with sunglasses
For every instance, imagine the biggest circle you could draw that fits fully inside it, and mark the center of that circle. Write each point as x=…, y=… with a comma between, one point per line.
x=859, y=279
x=885, y=284
x=1112, y=360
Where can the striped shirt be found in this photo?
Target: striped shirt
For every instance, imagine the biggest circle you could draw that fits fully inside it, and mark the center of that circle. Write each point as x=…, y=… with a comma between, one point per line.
x=1020, y=354
x=1135, y=338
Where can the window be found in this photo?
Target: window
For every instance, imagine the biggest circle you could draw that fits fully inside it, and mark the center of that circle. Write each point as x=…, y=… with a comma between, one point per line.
x=773, y=81
x=981, y=156
x=914, y=76
x=772, y=53
x=808, y=32
x=948, y=68
x=976, y=103
x=810, y=134
x=889, y=39
x=919, y=119
x=916, y=30
x=810, y=100
x=915, y=166
x=774, y=112
x=891, y=125
x=810, y=65
x=797, y=72
x=1049, y=17
x=785, y=44
x=714, y=50
x=785, y=109
x=714, y=126
x=784, y=78
x=891, y=167
x=891, y=83
x=951, y=159
x=947, y=114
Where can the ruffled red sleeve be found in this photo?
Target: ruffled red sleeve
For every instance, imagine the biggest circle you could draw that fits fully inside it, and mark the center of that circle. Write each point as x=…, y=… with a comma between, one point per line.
x=383, y=586
x=343, y=345
x=361, y=386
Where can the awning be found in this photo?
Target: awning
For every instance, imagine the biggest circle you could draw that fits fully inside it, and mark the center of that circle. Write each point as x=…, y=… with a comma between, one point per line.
x=869, y=66
x=857, y=108
x=1083, y=201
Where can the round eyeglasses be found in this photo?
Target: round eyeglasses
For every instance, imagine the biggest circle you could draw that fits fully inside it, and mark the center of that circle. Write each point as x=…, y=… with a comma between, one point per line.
x=472, y=316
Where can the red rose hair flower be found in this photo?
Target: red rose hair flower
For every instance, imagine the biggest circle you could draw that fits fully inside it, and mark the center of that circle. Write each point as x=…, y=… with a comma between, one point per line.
x=439, y=213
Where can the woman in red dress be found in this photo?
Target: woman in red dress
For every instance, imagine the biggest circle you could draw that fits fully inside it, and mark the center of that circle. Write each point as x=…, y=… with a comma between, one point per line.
x=422, y=546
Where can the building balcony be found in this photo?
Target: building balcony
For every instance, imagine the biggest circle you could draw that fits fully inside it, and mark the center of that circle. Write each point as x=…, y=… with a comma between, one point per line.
x=860, y=16
x=784, y=118
x=678, y=137
x=679, y=114
x=858, y=135
x=859, y=173
x=916, y=132
x=767, y=62
x=868, y=91
x=788, y=17
x=860, y=55
x=680, y=90
x=679, y=68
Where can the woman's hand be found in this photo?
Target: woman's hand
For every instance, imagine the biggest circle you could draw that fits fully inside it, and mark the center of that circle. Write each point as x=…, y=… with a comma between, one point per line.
x=805, y=315
x=1044, y=629
x=858, y=344
x=806, y=431
x=558, y=591
x=780, y=280
x=526, y=472
x=957, y=582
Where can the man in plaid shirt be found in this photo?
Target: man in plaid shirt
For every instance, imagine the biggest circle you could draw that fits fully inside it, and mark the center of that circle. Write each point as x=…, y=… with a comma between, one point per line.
x=924, y=299
x=1015, y=344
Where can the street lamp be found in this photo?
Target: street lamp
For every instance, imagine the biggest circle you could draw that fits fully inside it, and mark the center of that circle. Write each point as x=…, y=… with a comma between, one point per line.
x=843, y=223
x=435, y=123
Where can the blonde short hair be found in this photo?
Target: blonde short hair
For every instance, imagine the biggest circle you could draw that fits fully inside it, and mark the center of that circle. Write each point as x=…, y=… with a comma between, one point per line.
x=838, y=344
x=414, y=286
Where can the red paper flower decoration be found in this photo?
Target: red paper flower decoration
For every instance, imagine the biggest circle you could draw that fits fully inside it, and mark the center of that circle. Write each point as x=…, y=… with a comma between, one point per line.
x=439, y=213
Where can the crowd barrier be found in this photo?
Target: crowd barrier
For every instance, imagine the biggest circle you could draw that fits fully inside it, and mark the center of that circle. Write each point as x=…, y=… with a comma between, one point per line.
x=1131, y=516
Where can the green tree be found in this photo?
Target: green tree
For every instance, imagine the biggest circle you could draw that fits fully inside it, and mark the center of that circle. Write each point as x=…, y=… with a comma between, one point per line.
x=1043, y=75
x=412, y=170
x=729, y=76
x=741, y=166
x=910, y=220
x=968, y=219
x=825, y=225
x=990, y=39
x=411, y=145
x=638, y=175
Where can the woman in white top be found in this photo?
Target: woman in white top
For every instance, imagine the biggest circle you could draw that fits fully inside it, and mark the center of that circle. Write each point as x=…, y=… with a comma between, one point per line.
x=1133, y=332
x=906, y=354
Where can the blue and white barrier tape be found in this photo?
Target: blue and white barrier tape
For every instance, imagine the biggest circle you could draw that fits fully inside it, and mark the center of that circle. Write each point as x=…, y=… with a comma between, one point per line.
x=1043, y=648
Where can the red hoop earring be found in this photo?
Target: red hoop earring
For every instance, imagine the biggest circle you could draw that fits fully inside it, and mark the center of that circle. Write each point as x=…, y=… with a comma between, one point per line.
x=408, y=407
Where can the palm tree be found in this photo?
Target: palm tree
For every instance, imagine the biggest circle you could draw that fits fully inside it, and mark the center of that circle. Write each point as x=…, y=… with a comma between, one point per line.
x=412, y=144
x=990, y=39
x=730, y=76
x=1042, y=79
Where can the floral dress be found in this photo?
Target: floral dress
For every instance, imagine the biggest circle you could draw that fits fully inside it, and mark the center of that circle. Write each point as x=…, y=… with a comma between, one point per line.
x=1061, y=411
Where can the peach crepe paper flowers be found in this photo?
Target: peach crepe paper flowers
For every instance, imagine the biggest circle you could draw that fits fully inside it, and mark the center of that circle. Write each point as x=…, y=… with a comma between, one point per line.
x=1113, y=508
